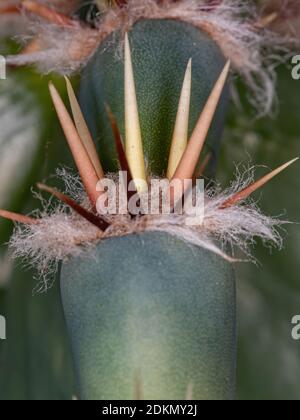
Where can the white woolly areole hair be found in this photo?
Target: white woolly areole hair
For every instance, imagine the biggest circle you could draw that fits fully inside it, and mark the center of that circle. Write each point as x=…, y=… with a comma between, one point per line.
x=62, y=234
x=253, y=52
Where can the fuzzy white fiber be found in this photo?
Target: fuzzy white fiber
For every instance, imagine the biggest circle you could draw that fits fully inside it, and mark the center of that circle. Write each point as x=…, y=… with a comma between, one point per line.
x=62, y=234
x=253, y=52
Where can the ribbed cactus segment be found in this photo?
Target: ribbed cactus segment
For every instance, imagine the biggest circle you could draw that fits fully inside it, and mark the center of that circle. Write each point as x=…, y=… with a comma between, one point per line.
x=161, y=50
x=150, y=309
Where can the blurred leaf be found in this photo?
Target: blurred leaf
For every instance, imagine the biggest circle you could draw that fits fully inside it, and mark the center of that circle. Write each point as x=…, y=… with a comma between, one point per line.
x=35, y=361
x=269, y=295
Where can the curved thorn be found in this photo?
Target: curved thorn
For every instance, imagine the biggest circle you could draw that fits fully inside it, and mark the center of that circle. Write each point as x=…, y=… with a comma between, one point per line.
x=245, y=193
x=97, y=221
x=133, y=137
x=190, y=158
x=180, y=135
x=83, y=130
x=82, y=160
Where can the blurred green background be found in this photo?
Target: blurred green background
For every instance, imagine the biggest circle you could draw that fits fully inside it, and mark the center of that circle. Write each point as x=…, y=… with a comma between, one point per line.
x=35, y=361
x=269, y=294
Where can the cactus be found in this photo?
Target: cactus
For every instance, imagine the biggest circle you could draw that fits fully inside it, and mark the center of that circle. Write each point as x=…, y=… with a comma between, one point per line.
x=149, y=302
x=136, y=297
x=151, y=308
x=159, y=65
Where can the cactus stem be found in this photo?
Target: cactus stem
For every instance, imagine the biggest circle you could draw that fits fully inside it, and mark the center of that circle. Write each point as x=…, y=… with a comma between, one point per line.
x=245, y=193
x=81, y=157
x=49, y=14
x=90, y=217
x=19, y=218
x=134, y=146
x=188, y=163
x=83, y=130
x=180, y=136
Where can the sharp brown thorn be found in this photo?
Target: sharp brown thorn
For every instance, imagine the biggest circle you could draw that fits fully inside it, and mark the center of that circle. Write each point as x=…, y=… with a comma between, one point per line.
x=83, y=130
x=97, y=221
x=9, y=9
x=180, y=135
x=205, y=163
x=245, y=193
x=19, y=218
x=121, y=153
x=81, y=157
x=190, y=158
x=200, y=173
x=119, y=144
x=49, y=14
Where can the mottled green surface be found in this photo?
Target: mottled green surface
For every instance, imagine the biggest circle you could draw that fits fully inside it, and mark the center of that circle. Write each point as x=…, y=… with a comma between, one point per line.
x=160, y=52
x=154, y=305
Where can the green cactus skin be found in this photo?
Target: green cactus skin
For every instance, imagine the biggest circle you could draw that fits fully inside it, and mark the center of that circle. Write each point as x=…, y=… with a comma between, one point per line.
x=151, y=304
x=160, y=53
